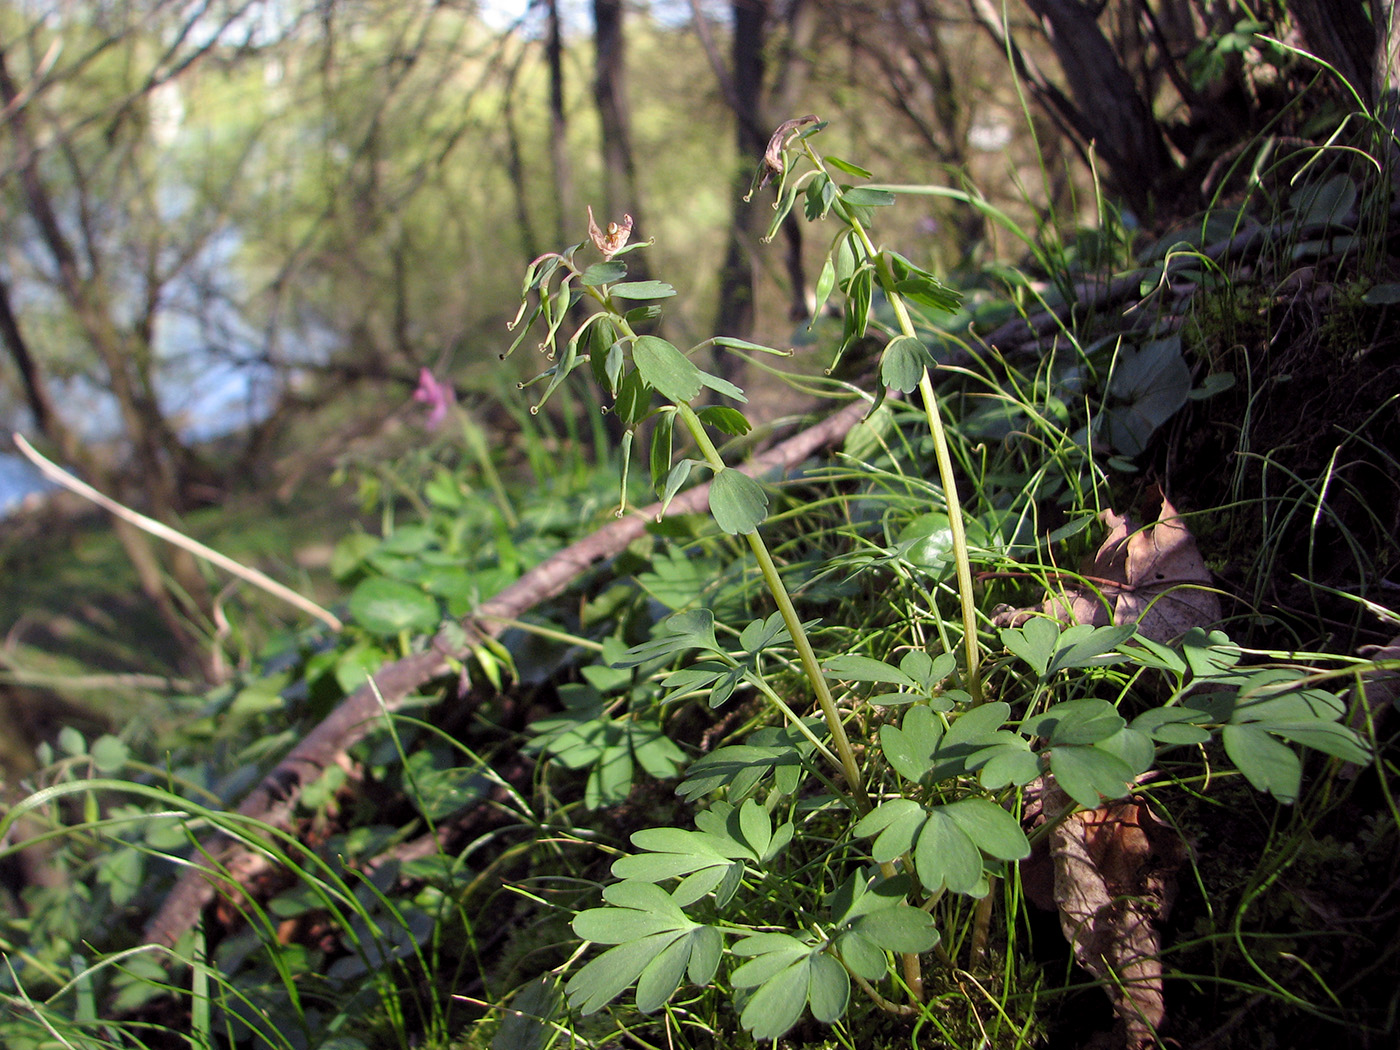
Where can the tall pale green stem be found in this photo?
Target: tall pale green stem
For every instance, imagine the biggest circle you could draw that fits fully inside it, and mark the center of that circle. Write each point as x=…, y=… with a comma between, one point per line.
x=961, y=562
x=909, y=962
x=806, y=655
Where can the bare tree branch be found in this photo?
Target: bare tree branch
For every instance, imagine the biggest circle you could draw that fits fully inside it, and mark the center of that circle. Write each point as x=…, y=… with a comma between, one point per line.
x=358, y=714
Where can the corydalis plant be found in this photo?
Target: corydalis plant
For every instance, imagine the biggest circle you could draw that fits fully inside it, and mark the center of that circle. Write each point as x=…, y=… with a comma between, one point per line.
x=650, y=380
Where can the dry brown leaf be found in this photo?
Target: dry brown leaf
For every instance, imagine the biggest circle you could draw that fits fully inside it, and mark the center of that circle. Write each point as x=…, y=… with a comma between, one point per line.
x=1113, y=871
x=1153, y=577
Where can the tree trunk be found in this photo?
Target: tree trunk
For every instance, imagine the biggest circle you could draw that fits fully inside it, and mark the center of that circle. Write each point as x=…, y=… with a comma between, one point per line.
x=734, y=315
x=1340, y=33
x=1117, y=119
x=568, y=211
x=620, y=190
x=756, y=113
x=155, y=447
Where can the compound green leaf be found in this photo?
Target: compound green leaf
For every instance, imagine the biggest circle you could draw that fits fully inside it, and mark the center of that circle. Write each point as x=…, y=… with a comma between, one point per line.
x=862, y=956
x=856, y=668
x=1266, y=763
x=108, y=753
x=384, y=606
x=1173, y=725
x=992, y=829
x=848, y=167
x=1034, y=642
x=945, y=856
x=828, y=988
x=903, y=364
x=900, y=754
x=605, y=978
x=768, y=954
x=723, y=386
x=893, y=824
x=864, y=197
x=619, y=925
x=602, y=273
x=898, y=929
x=662, y=976
x=926, y=670
x=693, y=629
x=1011, y=762
x=664, y=368
x=1086, y=646
x=1133, y=747
x=737, y=502
x=526, y=1025
x=1086, y=773
x=758, y=634
x=777, y=1004
x=706, y=947
x=725, y=419
x=1327, y=737
x=1082, y=721
x=911, y=747
x=756, y=827
x=1209, y=655
x=642, y=290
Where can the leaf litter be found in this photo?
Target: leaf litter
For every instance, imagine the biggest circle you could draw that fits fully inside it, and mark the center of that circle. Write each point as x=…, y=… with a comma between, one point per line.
x=1153, y=577
x=1110, y=872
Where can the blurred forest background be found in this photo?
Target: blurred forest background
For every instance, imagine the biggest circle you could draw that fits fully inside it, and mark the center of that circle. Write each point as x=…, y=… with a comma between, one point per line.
x=234, y=232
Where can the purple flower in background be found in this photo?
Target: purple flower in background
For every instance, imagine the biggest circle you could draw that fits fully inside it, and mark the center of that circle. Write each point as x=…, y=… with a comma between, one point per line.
x=437, y=396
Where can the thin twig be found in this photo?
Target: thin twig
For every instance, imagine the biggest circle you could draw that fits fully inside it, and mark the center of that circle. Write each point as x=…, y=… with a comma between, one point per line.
x=162, y=531
x=354, y=717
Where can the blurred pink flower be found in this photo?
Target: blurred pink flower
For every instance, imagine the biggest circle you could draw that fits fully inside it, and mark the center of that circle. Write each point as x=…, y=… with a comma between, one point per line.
x=437, y=396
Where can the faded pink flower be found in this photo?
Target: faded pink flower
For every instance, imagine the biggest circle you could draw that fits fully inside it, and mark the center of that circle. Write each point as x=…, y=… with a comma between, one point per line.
x=437, y=396
x=614, y=240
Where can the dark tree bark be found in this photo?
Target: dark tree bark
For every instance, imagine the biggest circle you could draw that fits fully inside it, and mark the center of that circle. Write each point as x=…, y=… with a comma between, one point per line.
x=36, y=390
x=515, y=165
x=734, y=315
x=757, y=110
x=157, y=450
x=1112, y=113
x=620, y=189
x=1360, y=39
x=558, y=130
x=1340, y=33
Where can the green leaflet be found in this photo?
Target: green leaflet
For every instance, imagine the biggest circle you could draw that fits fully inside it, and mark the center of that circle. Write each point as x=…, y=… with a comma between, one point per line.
x=665, y=369
x=788, y=975
x=737, y=502
x=946, y=841
x=657, y=944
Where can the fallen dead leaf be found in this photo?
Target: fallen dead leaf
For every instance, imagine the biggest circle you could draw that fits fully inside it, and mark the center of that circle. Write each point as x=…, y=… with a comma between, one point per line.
x=1111, y=875
x=1154, y=577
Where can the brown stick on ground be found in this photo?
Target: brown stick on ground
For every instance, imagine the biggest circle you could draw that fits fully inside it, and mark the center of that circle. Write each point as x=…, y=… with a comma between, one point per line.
x=273, y=799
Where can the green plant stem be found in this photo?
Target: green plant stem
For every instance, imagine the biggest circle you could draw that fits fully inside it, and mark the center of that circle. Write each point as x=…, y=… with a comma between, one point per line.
x=805, y=652
x=909, y=962
x=963, y=564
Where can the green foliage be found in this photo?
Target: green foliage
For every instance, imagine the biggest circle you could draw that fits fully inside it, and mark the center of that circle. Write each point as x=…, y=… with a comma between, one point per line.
x=848, y=789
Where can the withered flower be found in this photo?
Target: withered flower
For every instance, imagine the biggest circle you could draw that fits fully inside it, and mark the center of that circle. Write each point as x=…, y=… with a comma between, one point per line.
x=614, y=240
x=773, y=155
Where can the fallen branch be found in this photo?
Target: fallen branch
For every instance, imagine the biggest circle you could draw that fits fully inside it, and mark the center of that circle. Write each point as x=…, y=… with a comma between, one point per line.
x=160, y=530
x=274, y=798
